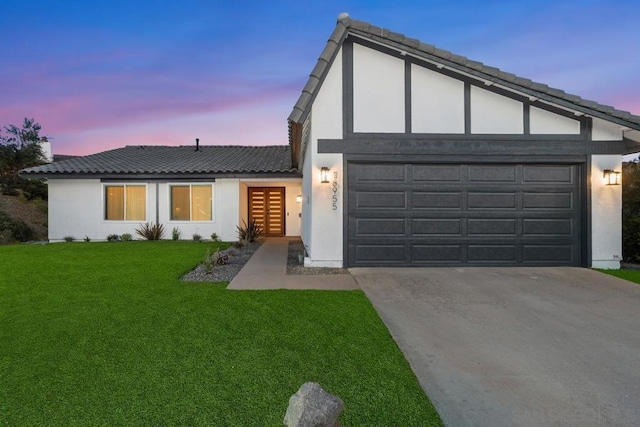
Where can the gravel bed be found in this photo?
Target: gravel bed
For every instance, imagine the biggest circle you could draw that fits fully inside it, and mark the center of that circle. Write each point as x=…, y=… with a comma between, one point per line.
x=224, y=273
x=295, y=268
x=239, y=257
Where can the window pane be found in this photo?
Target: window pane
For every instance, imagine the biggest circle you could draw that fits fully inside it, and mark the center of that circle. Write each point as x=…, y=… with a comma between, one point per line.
x=180, y=203
x=136, y=203
x=114, y=203
x=201, y=202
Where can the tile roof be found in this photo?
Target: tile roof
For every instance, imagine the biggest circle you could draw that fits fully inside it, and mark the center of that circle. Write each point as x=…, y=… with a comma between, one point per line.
x=346, y=26
x=164, y=160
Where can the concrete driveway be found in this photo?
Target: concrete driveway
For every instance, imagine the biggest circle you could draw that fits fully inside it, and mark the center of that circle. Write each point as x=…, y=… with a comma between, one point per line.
x=516, y=346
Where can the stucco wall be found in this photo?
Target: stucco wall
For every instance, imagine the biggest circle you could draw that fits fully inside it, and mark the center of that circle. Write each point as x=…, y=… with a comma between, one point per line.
x=546, y=122
x=437, y=102
x=378, y=91
x=606, y=214
x=325, y=226
x=605, y=131
x=493, y=113
x=76, y=208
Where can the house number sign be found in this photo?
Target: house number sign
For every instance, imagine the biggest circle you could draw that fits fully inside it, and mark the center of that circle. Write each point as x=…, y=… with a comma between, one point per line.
x=334, y=190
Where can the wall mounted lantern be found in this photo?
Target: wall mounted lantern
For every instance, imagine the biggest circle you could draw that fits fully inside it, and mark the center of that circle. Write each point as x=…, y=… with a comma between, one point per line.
x=611, y=177
x=324, y=175
x=299, y=198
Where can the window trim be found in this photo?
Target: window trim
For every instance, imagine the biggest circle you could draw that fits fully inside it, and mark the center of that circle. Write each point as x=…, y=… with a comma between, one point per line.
x=124, y=185
x=190, y=185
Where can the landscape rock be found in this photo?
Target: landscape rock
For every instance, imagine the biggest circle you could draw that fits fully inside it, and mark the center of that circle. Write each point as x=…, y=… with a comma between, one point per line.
x=311, y=406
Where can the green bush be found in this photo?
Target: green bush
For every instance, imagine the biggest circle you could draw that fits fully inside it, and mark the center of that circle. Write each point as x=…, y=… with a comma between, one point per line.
x=113, y=238
x=631, y=211
x=68, y=239
x=14, y=230
x=175, y=233
x=126, y=237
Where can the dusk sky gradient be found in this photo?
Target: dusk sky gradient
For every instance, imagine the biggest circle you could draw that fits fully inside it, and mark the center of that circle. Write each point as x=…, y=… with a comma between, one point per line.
x=104, y=74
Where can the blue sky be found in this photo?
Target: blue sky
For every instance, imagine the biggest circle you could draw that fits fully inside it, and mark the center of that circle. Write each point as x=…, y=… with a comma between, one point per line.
x=104, y=74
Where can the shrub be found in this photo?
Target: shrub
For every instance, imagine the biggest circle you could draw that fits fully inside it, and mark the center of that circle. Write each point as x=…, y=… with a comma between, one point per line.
x=175, y=233
x=197, y=237
x=126, y=237
x=249, y=232
x=208, y=263
x=631, y=211
x=238, y=244
x=68, y=239
x=150, y=231
x=14, y=230
x=113, y=238
x=214, y=237
x=87, y=239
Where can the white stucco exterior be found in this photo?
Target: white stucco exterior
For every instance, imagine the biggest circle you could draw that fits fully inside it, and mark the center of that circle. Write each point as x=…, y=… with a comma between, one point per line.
x=606, y=214
x=378, y=91
x=606, y=131
x=546, y=122
x=77, y=209
x=322, y=222
x=493, y=113
x=437, y=102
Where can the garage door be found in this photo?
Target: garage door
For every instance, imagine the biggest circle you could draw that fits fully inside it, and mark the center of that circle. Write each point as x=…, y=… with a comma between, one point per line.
x=463, y=214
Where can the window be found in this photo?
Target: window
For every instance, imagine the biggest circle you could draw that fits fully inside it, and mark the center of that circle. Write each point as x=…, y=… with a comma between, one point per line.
x=191, y=202
x=125, y=202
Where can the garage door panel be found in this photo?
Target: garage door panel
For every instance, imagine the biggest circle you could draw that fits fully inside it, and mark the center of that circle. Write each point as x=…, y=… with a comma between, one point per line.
x=478, y=200
x=381, y=199
x=380, y=253
x=548, y=227
x=436, y=253
x=552, y=174
x=435, y=227
x=465, y=214
x=480, y=227
x=492, y=253
x=549, y=253
x=436, y=173
x=548, y=201
x=492, y=173
x=437, y=200
x=380, y=227
x=381, y=173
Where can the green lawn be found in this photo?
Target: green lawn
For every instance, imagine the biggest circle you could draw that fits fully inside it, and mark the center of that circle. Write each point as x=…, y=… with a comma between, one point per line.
x=106, y=334
x=630, y=275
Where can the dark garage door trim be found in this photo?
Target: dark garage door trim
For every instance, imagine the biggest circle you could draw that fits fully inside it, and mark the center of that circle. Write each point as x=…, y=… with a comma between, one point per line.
x=485, y=212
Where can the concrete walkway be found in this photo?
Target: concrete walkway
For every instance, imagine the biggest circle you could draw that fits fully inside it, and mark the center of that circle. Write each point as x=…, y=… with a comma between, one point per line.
x=267, y=269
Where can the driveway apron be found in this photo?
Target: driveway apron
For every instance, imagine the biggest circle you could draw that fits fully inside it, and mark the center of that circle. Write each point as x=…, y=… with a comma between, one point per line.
x=516, y=346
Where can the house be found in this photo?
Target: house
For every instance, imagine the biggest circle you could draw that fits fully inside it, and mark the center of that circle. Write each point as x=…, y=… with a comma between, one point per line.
x=400, y=154
x=196, y=189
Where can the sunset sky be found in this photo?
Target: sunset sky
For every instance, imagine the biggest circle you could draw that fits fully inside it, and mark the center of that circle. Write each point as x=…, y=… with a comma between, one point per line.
x=102, y=74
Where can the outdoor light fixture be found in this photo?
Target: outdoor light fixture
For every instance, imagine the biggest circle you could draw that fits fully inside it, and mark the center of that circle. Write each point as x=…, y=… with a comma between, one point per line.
x=299, y=198
x=611, y=177
x=324, y=175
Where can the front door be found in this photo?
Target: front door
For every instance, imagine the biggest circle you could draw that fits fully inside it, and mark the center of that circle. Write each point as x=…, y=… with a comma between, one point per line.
x=266, y=206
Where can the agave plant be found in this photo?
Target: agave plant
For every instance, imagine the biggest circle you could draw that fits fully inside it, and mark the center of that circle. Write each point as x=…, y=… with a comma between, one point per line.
x=150, y=231
x=249, y=232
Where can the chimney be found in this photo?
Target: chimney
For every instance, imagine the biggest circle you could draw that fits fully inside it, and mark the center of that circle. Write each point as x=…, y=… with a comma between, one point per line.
x=197, y=144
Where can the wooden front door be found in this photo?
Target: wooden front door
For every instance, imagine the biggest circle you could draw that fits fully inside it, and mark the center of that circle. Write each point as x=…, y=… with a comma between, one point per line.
x=266, y=206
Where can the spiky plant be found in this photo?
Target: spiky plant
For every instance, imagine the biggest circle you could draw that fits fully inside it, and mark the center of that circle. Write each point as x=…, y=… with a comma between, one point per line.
x=150, y=231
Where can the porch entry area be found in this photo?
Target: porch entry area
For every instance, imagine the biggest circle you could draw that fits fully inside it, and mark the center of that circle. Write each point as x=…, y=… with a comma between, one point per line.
x=267, y=208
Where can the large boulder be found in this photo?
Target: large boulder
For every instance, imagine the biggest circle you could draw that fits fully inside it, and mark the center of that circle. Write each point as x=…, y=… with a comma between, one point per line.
x=311, y=406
